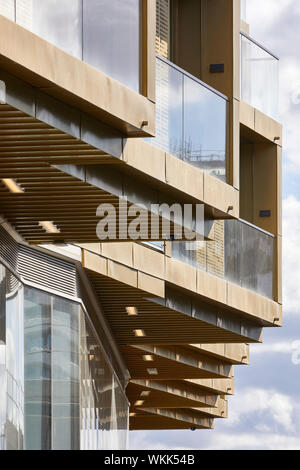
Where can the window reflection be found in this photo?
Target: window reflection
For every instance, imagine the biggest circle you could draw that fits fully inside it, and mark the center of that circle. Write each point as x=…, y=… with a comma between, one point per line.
x=103, y=405
x=37, y=363
x=7, y=8
x=65, y=378
x=191, y=120
x=259, y=77
x=55, y=378
x=240, y=253
x=14, y=371
x=103, y=33
x=57, y=21
x=111, y=38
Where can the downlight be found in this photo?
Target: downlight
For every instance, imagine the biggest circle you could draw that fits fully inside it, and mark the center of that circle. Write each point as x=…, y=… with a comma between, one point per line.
x=12, y=186
x=49, y=226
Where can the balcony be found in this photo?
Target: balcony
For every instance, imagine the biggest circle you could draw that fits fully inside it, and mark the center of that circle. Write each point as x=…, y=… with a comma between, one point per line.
x=191, y=119
x=259, y=77
x=240, y=253
x=103, y=33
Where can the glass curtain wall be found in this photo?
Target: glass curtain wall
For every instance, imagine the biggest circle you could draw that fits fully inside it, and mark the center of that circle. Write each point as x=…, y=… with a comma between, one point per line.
x=57, y=388
x=11, y=363
x=103, y=33
x=104, y=416
x=2, y=360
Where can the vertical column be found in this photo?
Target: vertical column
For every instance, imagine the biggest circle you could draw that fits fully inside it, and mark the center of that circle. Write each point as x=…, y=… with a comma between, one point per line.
x=220, y=46
x=148, y=49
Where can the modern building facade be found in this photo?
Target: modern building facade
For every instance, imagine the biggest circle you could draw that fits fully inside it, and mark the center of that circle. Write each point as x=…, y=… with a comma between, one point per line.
x=124, y=104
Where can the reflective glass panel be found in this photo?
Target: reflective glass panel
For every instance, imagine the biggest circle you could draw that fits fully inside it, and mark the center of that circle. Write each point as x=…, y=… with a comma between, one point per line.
x=2, y=360
x=191, y=120
x=244, y=10
x=7, y=8
x=111, y=38
x=57, y=21
x=204, y=128
x=51, y=355
x=65, y=375
x=103, y=33
x=169, y=109
x=37, y=360
x=14, y=363
x=104, y=407
x=259, y=78
x=240, y=253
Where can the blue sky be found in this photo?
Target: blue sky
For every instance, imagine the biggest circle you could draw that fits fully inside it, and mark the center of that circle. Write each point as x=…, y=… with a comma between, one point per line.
x=265, y=411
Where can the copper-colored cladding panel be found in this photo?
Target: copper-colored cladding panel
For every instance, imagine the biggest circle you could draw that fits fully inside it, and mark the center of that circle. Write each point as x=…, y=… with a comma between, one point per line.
x=258, y=127
x=148, y=49
x=219, y=411
x=186, y=35
x=28, y=150
x=232, y=353
x=169, y=394
x=161, y=324
x=215, y=386
x=169, y=419
x=173, y=363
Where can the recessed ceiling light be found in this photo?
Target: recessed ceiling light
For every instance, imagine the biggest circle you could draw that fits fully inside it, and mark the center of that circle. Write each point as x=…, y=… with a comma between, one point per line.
x=49, y=226
x=145, y=393
x=152, y=371
x=139, y=403
x=148, y=357
x=139, y=333
x=132, y=311
x=132, y=414
x=12, y=186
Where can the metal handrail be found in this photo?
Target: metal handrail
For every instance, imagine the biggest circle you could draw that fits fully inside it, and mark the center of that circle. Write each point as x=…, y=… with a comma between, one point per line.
x=256, y=228
x=187, y=74
x=259, y=45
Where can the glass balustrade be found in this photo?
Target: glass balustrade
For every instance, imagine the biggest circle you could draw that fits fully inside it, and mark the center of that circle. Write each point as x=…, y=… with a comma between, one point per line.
x=259, y=77
x=102, y=33
x=191, y=119
x=239, y=252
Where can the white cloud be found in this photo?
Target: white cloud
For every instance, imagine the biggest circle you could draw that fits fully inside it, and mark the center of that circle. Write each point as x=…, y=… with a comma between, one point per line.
x=276, y=407
x=262, y=427
x=291, y=254
x=140, y=440
x=244, y=441
x=269, y=13
x=266, y=18
x=286, y=347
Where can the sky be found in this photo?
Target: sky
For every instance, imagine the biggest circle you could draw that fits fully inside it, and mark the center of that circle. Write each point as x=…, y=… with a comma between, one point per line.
x=264, y=413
